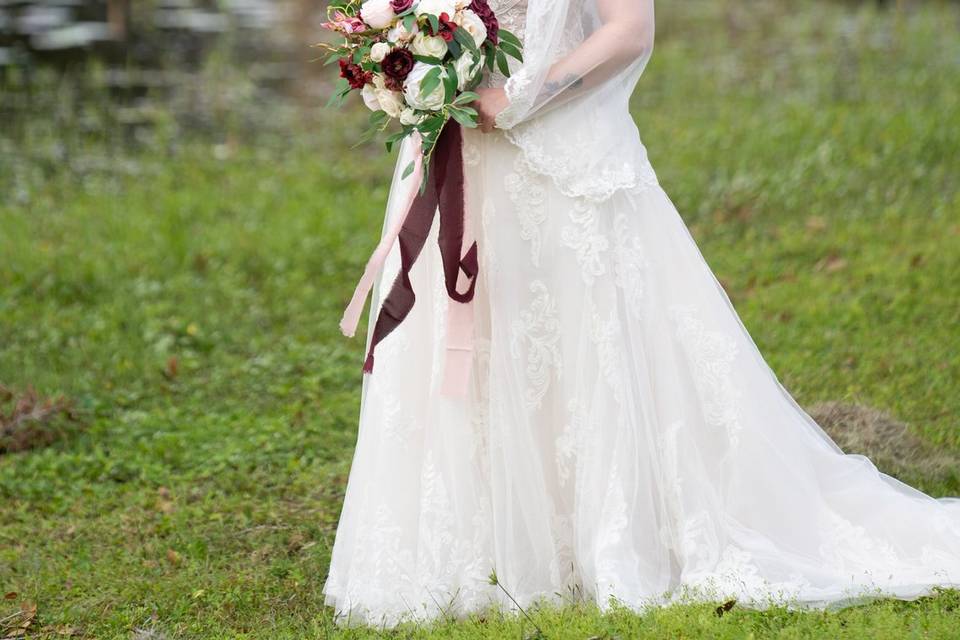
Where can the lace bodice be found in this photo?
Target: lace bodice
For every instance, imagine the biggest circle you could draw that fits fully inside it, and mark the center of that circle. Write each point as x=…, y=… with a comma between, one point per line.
x=512, y=16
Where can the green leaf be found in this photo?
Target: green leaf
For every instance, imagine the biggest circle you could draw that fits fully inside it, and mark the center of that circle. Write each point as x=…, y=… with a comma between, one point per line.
x=432, y=123
x=378, y=117
x=427, y=59
x=512, y=51
x=464, y=118
x=408, y=170
x=430, y=82
x=455, y=50
x=466, y=96
x=465, y=39
x=408, y=21
x=502, y=64
x=434, y=23
x=340, y=90
x=489, y=56
x=450, y=84
x=507, y=36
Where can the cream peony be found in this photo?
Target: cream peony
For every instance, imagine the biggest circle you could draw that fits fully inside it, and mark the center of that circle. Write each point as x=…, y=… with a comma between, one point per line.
x=409, y=116
x=436, y=7
x=467, y=66
x=399, y=33
x=369, y=95
x=433, y=46
x=379, y=51
x=378, y=14
x=389, y=100
x=411, y=90
x=473, y=25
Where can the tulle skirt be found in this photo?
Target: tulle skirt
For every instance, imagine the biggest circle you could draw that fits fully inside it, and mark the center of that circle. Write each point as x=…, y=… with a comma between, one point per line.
x=622, y=441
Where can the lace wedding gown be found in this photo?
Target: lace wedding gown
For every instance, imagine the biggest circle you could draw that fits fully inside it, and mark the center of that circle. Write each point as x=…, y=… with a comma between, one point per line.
x=623, y=439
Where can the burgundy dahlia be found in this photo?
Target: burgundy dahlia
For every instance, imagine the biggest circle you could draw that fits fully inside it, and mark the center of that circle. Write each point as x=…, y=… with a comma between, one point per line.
x=447, y=27
x=397, y=65
x=354, y=74
x=399, y=6
x=488, y=17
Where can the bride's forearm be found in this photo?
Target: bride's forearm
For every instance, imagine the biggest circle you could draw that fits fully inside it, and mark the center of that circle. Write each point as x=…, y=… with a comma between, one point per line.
x=607, y=51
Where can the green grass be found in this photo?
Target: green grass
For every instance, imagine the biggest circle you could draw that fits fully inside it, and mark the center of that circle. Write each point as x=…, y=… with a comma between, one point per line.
x=812, y=148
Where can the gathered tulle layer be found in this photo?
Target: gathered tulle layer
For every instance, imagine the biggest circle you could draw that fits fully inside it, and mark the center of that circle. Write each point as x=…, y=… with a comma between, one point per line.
x=623, y=439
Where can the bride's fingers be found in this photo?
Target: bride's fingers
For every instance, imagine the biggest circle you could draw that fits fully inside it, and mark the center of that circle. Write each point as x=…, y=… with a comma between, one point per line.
x=485, y=122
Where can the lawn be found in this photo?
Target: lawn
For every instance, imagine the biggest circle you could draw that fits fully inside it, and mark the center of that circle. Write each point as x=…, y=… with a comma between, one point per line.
x=183, y=294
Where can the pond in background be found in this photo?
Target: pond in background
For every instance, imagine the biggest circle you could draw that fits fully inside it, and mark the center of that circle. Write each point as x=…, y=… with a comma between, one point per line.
x=127, y=50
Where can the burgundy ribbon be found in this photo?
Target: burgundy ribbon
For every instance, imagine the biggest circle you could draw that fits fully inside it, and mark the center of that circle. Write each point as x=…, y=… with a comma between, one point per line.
x=443, y=192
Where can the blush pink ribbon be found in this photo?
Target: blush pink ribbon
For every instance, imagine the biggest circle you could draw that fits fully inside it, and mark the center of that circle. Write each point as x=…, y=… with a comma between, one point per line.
x=443, y=192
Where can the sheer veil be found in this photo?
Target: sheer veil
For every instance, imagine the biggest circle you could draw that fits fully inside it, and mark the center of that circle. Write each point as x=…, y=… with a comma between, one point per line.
x=587, y=56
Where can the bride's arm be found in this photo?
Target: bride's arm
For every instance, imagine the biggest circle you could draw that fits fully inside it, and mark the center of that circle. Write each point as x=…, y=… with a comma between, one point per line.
x=625, y=36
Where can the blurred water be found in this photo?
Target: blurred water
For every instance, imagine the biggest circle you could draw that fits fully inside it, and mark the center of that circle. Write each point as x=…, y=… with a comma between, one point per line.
x=139, y=57
x=45, y=30
x=172, y=35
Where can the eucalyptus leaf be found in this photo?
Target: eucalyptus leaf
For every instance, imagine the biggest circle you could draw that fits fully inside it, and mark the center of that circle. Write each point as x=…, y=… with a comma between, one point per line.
x=450, y=84
x=466, y=96
x=502, y=64
x=463, y=118
x=508, y=36
x=455, y=50
x=430, y=82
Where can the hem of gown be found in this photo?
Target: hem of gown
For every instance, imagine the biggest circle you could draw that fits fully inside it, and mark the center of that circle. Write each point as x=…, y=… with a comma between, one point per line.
x=817, y=600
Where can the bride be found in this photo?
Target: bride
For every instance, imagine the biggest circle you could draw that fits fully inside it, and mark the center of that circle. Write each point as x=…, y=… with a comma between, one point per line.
x=621, y=438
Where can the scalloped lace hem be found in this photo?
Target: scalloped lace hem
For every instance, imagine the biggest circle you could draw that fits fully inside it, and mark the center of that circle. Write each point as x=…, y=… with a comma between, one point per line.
x=632, y=175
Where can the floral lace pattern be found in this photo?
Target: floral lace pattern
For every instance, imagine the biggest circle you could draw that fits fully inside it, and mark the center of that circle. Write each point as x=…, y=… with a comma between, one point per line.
x=629, y=265
x=712, y=355
x=606, y=335
x=586, y=239
x=536, y=335
x=632, y=173
x=572, y=445
x=527, y=191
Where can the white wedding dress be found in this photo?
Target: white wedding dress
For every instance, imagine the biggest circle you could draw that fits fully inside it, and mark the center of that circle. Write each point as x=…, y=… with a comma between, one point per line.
x=623, y=439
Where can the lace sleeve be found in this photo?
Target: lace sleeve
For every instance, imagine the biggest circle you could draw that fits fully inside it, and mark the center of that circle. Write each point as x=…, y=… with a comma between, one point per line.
x=568, y=100
x=595, y=46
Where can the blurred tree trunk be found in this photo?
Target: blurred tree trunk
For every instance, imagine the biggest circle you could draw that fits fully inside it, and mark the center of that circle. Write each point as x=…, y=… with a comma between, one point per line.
x=118, y=17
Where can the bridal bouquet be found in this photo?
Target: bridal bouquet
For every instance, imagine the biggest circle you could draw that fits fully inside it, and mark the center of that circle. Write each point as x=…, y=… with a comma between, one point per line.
x=416, y=61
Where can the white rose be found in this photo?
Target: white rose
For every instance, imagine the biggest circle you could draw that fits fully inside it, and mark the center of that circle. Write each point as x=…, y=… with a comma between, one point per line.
x=432, y=101
x=369, y=95
x=436, y=7
x=409, y=116
x=462, y=4
x=388, y=100
x=432, y=46
x=467, y=66
x=379, y=51
x=399, y=33
x=378, y=14
x=474, y=25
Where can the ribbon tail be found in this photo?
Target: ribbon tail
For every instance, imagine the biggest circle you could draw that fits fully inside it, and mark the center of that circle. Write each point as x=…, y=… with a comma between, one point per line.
x=459, y=353
x=351, y=315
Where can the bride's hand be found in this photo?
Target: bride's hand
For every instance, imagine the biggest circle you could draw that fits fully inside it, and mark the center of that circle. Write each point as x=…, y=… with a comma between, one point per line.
x=491, y=102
